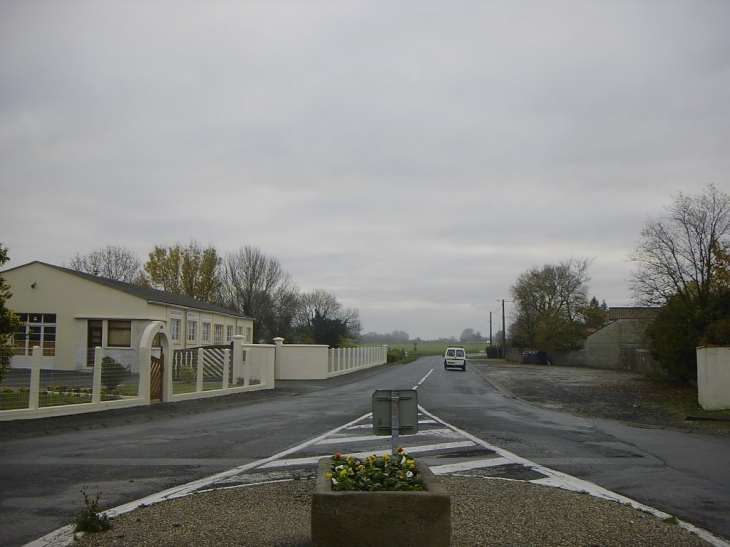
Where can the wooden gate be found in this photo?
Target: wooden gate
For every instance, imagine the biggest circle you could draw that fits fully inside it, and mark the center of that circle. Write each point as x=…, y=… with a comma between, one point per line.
x=157, y=366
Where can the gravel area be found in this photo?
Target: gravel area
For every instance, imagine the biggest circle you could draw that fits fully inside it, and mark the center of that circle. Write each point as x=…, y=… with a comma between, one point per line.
x=484, y=512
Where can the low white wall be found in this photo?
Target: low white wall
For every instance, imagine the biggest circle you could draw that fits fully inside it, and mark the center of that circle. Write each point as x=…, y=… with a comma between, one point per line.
x=318, y=362
x=301, y=362
x=713, y=377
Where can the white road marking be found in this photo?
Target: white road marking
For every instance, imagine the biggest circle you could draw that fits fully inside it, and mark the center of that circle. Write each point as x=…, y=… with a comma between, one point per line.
x=361, y=438
x=423, y=379
x=466, y=466
x=309, y=460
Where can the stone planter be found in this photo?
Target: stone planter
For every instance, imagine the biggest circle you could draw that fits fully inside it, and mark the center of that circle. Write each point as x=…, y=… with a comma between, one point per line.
x=380, y=519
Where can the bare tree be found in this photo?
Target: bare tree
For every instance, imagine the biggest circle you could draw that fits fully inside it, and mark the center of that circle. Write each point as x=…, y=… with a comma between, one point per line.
x=255, y=284
x=675, y=255
x=112, y=262
x=318, y=312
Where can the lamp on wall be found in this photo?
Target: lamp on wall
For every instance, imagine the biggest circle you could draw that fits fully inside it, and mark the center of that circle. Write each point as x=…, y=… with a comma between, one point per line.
x=32, y=285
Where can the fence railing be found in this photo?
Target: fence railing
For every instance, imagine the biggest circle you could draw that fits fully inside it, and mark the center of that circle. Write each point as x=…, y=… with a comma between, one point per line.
x=215, y=370
x=116, y=380
x=344, y=360
x=37, y=392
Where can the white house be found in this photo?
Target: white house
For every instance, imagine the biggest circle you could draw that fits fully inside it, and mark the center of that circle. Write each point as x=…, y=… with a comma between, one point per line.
x=69, y=313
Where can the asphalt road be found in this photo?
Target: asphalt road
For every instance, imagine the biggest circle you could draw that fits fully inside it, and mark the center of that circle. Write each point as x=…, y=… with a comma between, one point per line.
x=135, y=453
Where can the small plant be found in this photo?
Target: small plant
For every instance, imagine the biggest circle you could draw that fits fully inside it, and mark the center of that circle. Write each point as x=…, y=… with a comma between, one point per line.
x=671, y=520
x=373, y=474
x=187, y=374
x=90, y=518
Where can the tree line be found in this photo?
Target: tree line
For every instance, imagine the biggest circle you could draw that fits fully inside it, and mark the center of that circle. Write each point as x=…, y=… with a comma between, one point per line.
x=247, y=281
x=682, y=267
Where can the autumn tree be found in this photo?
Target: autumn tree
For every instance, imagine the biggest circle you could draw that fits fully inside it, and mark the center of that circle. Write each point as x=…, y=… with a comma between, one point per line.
x=681, y=265
x=256, y=285
x=9, y=320
x=112, y=262
x=190, y=271
x=551, y=301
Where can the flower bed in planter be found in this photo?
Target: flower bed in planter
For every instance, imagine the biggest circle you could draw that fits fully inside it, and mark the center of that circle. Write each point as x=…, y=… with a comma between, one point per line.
x=384, y=518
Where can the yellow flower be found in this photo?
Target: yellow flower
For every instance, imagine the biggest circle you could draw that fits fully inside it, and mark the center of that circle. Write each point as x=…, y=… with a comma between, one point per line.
x=386, y=457
x=343, y=473
x=329, y=475
x=360, y=467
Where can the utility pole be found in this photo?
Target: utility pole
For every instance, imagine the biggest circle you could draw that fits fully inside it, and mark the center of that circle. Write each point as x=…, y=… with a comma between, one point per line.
x=504, y=345
x=490, y=329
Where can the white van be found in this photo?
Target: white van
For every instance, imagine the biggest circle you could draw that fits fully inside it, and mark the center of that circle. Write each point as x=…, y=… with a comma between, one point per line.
x=455, y=357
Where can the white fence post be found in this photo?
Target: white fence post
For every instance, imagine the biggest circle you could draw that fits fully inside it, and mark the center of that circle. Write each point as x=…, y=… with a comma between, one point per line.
x=237, y=359
x=96, y=380
x=35, y=378
x=199, y=372
x=246, y=368
x=226, y=367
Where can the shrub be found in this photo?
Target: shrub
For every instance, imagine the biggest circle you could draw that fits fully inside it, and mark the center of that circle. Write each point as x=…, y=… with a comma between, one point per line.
x=187, y=374
x=113, y=373
x=395, y=355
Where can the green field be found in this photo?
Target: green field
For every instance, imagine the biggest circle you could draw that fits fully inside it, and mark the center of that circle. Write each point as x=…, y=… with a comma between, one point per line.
x=426, y=348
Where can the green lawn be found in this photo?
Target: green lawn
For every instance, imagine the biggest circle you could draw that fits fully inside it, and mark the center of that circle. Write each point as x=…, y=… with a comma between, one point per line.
x=19, y=400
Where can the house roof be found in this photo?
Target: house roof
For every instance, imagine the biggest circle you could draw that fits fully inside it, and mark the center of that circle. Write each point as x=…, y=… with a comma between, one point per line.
x=149, y=294
x=615, y=314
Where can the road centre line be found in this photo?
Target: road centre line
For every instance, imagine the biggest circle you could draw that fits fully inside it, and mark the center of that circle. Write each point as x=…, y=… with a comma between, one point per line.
x=423, y=379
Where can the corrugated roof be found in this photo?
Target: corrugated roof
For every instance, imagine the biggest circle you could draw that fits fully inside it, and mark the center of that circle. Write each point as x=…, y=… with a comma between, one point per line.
x=632, y=313
x=149, y=294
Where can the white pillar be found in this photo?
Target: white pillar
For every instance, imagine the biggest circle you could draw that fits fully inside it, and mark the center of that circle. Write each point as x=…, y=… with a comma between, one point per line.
x=237, y=358
x=278, y=356
x=199, y=371
x=226, y=367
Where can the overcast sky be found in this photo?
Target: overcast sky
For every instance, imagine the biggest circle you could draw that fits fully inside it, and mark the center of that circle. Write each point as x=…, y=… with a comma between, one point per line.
x=410, y=157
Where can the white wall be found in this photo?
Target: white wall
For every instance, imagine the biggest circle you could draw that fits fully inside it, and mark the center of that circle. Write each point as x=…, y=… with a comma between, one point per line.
x=713, y=377
x=301, y=362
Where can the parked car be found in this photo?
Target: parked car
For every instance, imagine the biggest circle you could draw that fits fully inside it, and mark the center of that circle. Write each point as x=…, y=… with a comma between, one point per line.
x=455, y=357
